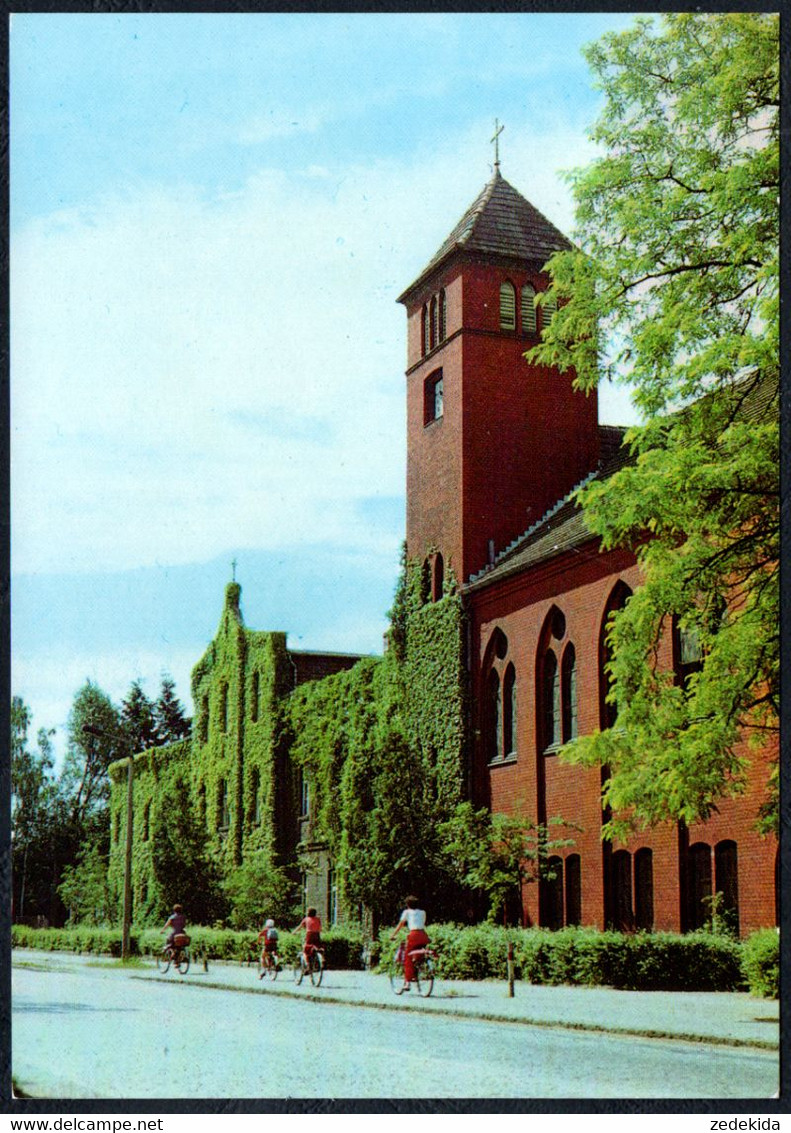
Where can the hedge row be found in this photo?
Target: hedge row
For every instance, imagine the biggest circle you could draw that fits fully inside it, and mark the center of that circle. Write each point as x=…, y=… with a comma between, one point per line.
x=645, y=961
x=343, y=949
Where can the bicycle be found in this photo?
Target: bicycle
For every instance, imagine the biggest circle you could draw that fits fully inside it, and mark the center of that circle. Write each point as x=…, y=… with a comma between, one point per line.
x=268, y=965
x=177, y=954
x=424, y=968
x=311, y=965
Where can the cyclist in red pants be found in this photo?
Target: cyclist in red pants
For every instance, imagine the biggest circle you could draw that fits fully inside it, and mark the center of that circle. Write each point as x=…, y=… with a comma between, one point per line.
x=312, y=926
x=413, y=919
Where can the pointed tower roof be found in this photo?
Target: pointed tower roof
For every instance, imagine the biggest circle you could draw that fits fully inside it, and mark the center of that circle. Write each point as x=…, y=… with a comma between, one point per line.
x=500, y=222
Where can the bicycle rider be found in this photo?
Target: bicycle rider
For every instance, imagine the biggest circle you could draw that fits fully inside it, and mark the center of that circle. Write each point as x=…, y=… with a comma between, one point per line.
x=269, y=936
x=311, y=923
x=413, y=919
x=176, y=923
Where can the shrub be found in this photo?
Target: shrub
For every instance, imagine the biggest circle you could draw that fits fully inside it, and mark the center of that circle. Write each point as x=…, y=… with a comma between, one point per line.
x=761, y=963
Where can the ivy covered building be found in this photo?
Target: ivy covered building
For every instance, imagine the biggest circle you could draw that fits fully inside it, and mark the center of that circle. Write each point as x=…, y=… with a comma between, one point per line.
x=497, y=652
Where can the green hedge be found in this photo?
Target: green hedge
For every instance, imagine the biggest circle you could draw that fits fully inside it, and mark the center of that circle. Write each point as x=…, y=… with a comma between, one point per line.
x=761, y=963
x=645, y=961
x=342, y=947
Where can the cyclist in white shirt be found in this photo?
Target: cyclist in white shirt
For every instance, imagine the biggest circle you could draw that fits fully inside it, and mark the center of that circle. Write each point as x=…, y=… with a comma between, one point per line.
x=413, y=919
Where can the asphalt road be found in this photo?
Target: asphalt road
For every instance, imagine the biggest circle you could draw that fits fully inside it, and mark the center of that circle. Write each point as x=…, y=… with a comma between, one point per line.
x=83, y=1031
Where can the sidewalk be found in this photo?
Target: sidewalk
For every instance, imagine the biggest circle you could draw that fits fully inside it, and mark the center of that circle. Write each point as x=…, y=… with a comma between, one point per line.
x=733, y=1018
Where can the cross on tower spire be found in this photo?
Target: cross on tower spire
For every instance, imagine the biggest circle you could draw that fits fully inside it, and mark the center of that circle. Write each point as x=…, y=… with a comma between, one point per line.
x=234, y=565
x=498, y=129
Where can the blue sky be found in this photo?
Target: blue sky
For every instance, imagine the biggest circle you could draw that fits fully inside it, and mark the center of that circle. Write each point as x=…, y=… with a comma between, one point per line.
x=212, y=216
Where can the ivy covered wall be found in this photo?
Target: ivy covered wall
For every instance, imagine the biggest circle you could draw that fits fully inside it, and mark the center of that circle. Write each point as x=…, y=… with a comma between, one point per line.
x=379, y=745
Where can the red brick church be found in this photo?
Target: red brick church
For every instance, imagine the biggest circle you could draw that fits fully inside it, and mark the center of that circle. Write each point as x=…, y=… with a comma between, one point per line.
x=496, y=446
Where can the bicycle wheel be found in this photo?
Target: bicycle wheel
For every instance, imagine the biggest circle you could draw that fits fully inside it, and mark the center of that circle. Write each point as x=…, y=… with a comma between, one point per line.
x=316, y=969
x=299, y=970
x=183, y=963
x=163, y=962
x=397, y=980
x=273, y=967
x=424, y=978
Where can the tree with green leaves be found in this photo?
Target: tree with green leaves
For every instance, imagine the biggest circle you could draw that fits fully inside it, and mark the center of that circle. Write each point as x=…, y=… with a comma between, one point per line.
x=33, y=810
x=96, y=739
x=84, y=888
x=183, y=870
x=673, y=289
x=498, y=855
x=171, y=722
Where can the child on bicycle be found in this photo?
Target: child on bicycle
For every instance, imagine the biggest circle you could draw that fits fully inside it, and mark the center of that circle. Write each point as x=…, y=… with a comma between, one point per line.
x=268, y=935
x=414, y=919
x=312, y=926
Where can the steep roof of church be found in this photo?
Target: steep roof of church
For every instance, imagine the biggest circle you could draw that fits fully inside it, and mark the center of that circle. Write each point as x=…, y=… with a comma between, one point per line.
x=563, y=527
x=500, y=222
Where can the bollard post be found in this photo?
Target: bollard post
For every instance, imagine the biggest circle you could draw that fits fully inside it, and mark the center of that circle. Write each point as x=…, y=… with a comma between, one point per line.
x=510, y=964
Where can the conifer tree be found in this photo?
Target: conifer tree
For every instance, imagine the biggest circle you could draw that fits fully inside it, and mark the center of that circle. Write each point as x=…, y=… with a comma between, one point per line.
x=172, y=723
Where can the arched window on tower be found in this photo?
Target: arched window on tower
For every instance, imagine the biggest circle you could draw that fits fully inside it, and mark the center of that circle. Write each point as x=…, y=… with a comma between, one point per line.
x=255, y=800
x=507, y=306
x=569, y=694
x=493, y=717
x=549, y=306
x=529, y=323
x=425, y=330
x=509, y=711
x=443, y=315
x=434, y=323
x=433, y=398
x=551, y=700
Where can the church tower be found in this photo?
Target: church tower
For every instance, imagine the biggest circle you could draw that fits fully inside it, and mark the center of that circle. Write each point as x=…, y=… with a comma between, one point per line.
x=493, y=441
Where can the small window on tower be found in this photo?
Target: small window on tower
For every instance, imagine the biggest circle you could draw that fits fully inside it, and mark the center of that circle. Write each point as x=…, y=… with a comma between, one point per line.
x=549, y=308
x=528, y=309
x=433, y=398
x=507, y=307
x=443, y=315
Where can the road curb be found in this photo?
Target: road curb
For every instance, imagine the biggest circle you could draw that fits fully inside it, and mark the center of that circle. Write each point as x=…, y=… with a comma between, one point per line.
x=480, y=1016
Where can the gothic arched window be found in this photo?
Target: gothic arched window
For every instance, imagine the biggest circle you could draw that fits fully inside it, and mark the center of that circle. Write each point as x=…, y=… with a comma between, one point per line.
x=644, y=889
x=621, y=891
x=424, y=330
x=569, y=694
x=608, y=711
x=726, y=882
x=552, y=891
x=698, y=886
x=551, y=700
x=443, y=315
x=507, y=306
x=573, y=890
x=529, y=323
x=494, y=716
x=434, y=323
x=509, y=711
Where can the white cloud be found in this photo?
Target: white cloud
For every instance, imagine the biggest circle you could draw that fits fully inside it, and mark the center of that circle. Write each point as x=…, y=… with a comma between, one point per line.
x=190, y=375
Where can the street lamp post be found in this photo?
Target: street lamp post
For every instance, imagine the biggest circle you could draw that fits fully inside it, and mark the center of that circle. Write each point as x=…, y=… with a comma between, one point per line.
x=130, y=778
